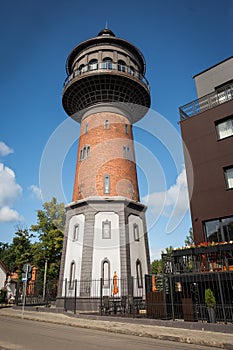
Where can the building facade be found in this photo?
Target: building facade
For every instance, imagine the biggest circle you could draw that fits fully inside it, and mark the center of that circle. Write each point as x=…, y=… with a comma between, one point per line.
x=207, y=132
x=106, y=92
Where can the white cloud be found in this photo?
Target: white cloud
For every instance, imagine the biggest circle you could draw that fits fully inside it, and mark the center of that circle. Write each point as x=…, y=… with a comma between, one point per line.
x=7, y=214
x=36, y=191
x=4, y=149
x=9, y=192
x=174, y=201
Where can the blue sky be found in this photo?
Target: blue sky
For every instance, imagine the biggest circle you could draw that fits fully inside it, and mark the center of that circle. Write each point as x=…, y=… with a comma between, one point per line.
x=178, y=39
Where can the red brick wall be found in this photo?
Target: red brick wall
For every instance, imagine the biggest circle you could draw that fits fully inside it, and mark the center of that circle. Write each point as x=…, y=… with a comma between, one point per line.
x=106, y=158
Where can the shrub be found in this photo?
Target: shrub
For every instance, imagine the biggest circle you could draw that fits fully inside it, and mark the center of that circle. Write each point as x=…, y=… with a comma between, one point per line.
x=210, y=298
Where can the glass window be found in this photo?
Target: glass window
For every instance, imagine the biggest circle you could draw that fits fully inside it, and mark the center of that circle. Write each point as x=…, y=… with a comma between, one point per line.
x=86, y=128
x=93, y=64
x=107, y=63
x=81, y=68
x=225, y=128
x=76, y=232
x=139, y=273
x=219, y=230
x=127, y=152
x=229, y=177
x=85, y=152
x=72, y=274
x=121, y=66
x=131, y=70
x=106, y=124
x=106, y=184
x=126, y=128
x=106, y=229
x=136, y=232
x=106, y=273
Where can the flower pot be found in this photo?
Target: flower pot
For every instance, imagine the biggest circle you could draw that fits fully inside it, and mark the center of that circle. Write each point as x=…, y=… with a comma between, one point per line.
x=211, y=313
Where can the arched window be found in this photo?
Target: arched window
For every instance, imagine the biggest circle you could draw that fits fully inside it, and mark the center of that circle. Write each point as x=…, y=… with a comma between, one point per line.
x=136, y=232
x=106, y=273
x=139, y=273
x=106, y=184
x=107, y=63
x=131, y=70
x=106, y=124
x=72, y=275
x=81, y=68
x=121, y=66
x=93, y=64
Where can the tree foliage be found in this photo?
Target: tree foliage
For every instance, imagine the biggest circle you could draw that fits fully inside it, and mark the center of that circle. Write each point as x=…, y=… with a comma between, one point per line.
x=189, y=240
x=50, y=229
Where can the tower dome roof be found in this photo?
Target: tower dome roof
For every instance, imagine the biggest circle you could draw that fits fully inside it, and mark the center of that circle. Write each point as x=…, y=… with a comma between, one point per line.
x=106, y=32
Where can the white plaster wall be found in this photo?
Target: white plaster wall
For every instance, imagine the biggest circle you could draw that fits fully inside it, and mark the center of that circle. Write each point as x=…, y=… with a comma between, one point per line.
x=106, y=248
x=74, y=251
x=2, y=277
x=137, y=251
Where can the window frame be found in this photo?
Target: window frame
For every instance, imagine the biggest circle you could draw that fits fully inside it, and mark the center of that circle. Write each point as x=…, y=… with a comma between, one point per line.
x=228, y=179
x=139, y=273
x=72, y=274
x=106, y=184
x=106, y=281
x=136, y=232
x=104, y=236
x=221, y=122
x=76, y=232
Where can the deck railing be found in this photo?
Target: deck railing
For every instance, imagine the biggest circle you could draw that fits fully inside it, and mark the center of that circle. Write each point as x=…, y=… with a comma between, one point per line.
x=207, y=102
x=106, y=66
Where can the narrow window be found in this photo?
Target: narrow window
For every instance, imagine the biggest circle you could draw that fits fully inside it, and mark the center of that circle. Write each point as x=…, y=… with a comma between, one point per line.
x=81, y=154
x=136, y=232
x=106, y=273
x=88, y=151
x=106, y=229
x=229, y=177
x=126, y=129
x=225, y=128
x=131, y=70
x=127, y=152
x=106, y=124
x=139, y=273
x=86, y=128
x=106, y=184
x=72, y=274
x=76, y=232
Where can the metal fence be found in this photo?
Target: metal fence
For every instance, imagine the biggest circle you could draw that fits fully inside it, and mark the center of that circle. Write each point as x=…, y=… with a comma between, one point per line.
x=182, y=296
x=168, y=296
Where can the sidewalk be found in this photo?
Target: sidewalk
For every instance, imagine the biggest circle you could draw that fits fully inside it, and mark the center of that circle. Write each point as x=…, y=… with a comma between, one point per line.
x=138, y=327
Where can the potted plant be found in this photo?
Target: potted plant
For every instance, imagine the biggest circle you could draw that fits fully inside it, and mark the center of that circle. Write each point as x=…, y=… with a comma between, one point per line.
x=211, y=303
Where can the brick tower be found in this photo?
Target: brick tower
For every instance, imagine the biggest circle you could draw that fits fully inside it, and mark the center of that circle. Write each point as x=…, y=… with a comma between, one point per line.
x=106, y=92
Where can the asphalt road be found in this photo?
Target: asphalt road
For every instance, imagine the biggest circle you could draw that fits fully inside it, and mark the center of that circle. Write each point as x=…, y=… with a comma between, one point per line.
x=20, y=334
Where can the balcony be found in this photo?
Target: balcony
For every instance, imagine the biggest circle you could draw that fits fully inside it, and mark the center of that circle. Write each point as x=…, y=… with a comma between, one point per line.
x=207, y=102
x=102, y=67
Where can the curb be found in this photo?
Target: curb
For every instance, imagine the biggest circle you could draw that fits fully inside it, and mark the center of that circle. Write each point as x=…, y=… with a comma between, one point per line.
x=122, y=328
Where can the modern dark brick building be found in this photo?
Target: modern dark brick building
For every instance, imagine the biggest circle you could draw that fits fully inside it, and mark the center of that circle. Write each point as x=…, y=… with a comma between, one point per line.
x=207, y=132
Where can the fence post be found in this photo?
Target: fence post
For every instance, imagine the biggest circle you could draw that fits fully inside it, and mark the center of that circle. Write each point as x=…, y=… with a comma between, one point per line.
x=17, y=294
x=221, y=296
x=101, y=296
x=65, y=308
x=172, y=299
x=75, y=295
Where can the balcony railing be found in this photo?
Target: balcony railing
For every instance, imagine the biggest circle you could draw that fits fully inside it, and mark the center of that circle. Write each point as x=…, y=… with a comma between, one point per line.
x=207, y=102
x=109, y=66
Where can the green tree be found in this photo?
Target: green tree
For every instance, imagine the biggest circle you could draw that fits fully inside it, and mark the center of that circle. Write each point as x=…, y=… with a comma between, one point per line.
x=19, y=251
x=156, y=267
x=189, y=240
x=50, y=227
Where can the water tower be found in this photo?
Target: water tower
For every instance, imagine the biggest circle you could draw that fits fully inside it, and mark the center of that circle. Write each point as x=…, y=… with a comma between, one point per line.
x=106, y=92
